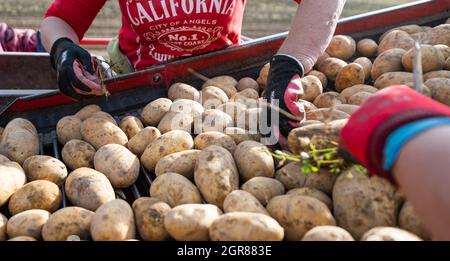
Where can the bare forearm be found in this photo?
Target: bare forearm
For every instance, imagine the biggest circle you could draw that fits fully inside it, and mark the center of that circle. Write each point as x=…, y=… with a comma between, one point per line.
x=312, y=30
x=53, y=28
x=423, y=172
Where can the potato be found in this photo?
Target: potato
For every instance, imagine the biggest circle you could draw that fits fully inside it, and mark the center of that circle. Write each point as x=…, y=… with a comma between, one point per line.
x=320, y=75
x=99, y=132
x=309, y=122
x=3, y=222
x=38, y=194
x=432, y=59
x=176, y=121
x=389, y=234
x=175, y=189
x=436, y=74
x=314, y=193
x=347, y=108
x=409, y=221
x=22, y=238
x=263, y=188
x=298, y=214
x=248, y=93
x=291, y=176
x=183, y=91
x=331, y=67
x=444, y=49
x=216, y=120
x=41, y=167
x=88, y=188
x=113, y=221
x=153, y=112
x=191, y=222
x=359, y=98
x=389, y=61
x=247, y=83
x=216, y=174
x=19, y=140
x=327, y=233
x=352, y=74
x=68, y=128
x=250, y=120
x=312, y=87
x=308, y=106
x=212, y=97
x=226, y=83
x=187, y=106
x=321, y=58
x=150, y=214
x=87, y=111
x=240, y=135
x=326, y=115
x=242, y=226
x=66, y=222
x=131, y=126
x=328, y=99
x=420, y=37
x=447, y=64
x=76, y=154
x=118, y=164
x=393, y=78
x=182, y=162
x=142, y=139
x=27, y=223
x=439, y=35
x=105, y=116
x=342, y=47
x=367, y=48
x=366, y=63
x=242, y=201
x=262, y=78
x=253, y=159
x=396, y=39
x=12, y=178
x=214, y=138
x=440, y=89
x=425, y=90
x=361, y=202
x=349, y=92
x=168, y=143
x=233, y=109
x=321, y=135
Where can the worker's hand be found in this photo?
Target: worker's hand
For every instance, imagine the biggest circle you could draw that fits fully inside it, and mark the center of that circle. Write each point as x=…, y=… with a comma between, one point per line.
x=283, y=89
x=369, y=129
x=75, y=71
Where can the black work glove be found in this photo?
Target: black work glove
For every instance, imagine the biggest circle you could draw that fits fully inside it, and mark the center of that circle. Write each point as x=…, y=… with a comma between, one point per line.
x=71, y=63
x=283, y=87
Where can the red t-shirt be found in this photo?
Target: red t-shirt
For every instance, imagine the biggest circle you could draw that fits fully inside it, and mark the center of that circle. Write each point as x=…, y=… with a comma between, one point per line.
x=162, y=30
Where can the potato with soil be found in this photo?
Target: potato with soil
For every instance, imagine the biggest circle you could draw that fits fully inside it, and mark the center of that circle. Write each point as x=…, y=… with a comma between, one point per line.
x=168, y=143
x=182, y=162
x=367, y=48
x=183, y=91
x=77, y=154
x=312, y=87
x=367, y=64
x=314, y=193
x=240, y=135
x=99, y=132
x=263, y=74
x=113, y=221
x=352, y=74
x=153, y=112
x=118, y=164
x=361, y=202
x=247, y=83
x=243, y=201
x=131, y=126
x=432, y=59
x=181, y=116
x=87, y=111
x=142, y=139
x=250, y=120
x=224, y=82
x=38, y=194
x=328, y=99
x=66, y=222
x=439, y=35
x=105, y=116
x=88, y=188
x=389, y=234
x=263, y=188
x=19, y=140
x=233, y=109
x=424, y=89
x=347, y=108
x=68, y=128
x=359, y=98
x=320, y=75
x=396, y=39
x=331, y=67
x=216, y=174
x=175, y=190
x=3, y=222
x=349, y=92
x=447, y=64
x=327, y=233
x=150, y=214
x=244, y=226
x=409, y=221
x=444, y=49
x=342, y=47
x=41, y=167
x=191, y=222
x=440, y=89
x=216, y=120
x=206, y=139
x=436, y=74
x=326, y=115
x=212, y=97
x=253, y=159
x=299, y=214
x=27, y=223
x=393, y=78
x=389, y=61
x=12, y=178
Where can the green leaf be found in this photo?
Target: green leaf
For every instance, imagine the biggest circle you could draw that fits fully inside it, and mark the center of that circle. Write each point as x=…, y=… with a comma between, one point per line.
x=315, y=169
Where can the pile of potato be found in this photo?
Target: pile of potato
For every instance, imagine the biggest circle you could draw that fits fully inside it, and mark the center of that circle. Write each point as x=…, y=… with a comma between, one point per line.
x=215, y=180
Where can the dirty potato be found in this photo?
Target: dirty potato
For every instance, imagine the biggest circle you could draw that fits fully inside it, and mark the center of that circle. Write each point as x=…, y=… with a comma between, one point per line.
x=389, y=61
x=314, y=193
x=38, y=194
x=328, y=99
x=393, y=78
x=389, y=234
x=366, y=63
x=68, y=128
x=182, y=163
x=367, y=48
x=209, y=138
x=312, y=87
x=247, y=83
x=253, y=159
x=150, y=214
x=99, y=132
x=41, y=167
x=66, y=222
x=352, y=74
x=175, y=190
x=77, y=154
x=432, y=59
x=327, y=233
x=12, y=178
x=331, y=67
x=131, y=126
x=242, y=201
x=224, y=82
x=263, y=188
x=321, y=76
x=409, y=221
x=142, y=139
x=19, y=140
x=153, y=112
x=342, y=47
x=87, y=111
x=349, y=92
x=27, y=223
x=183, y=91
x=359, y=98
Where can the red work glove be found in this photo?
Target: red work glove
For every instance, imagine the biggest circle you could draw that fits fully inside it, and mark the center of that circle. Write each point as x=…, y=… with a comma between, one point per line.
x=284, y=87
x=366, y=132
